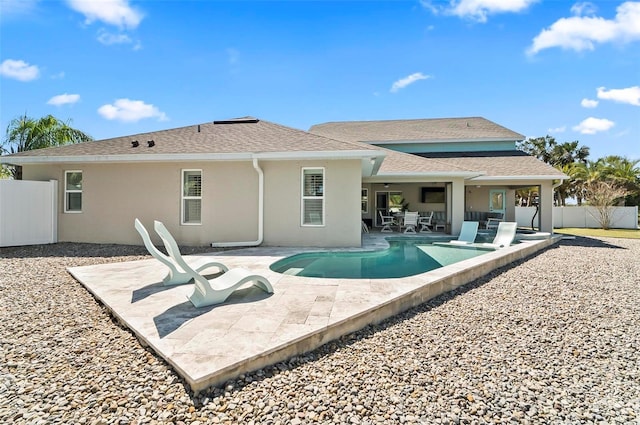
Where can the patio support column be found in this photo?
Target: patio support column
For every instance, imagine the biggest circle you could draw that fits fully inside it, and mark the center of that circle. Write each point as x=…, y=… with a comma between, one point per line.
x=457, y=205
x=510, y=213
x=546, y=206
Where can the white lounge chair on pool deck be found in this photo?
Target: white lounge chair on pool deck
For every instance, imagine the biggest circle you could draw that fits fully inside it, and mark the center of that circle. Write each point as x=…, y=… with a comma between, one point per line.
x=176, y=275
x=217, y=290
x=505, y=235
x=468, y=233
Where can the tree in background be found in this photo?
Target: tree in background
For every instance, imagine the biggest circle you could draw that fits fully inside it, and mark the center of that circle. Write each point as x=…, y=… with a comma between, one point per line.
x=562, y=156
x=603, y=195
x=25, y=133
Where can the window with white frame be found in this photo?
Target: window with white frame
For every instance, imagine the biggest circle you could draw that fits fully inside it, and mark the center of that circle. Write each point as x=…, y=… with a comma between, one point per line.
x=313, y=196
x=364, y=201
x=191, y=196
x=73, y=191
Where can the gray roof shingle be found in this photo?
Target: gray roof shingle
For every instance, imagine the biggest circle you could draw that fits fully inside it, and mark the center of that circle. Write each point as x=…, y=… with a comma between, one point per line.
x=434, y=129
x=501, y=164
x=232, y=136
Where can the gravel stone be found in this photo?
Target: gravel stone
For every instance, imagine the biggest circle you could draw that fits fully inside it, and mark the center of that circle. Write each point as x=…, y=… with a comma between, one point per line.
x=551, y=339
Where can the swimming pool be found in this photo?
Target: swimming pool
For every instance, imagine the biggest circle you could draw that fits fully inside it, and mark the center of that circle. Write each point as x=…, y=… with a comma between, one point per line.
x=403, y=258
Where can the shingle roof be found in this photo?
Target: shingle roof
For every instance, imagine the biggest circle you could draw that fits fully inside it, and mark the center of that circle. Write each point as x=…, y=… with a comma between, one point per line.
x=400, y=163
x=494, y=164
x=246, y=135
x=437, y=129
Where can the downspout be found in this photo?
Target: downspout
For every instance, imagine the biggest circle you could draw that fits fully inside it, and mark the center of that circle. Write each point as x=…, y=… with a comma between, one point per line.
x=260, y=215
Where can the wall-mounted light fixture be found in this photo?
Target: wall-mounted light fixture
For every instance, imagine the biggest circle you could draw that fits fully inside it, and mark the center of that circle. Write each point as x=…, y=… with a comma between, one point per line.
x=373, y=161
x=386, y=185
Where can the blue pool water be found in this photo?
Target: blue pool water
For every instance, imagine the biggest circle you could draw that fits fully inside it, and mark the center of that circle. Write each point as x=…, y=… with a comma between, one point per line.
x=402, y=258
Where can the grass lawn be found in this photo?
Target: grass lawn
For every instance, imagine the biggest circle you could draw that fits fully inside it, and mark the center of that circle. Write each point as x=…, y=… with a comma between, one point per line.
x=611, y=233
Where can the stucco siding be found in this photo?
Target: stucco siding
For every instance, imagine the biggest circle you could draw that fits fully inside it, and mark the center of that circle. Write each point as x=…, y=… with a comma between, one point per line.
x=113, y=195
x=283, y=204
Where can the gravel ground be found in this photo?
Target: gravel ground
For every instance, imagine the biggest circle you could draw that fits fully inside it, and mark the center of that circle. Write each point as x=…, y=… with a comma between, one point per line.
x=555, y=339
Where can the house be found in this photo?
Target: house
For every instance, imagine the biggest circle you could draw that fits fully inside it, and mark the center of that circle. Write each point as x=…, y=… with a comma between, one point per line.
x=459, y=166
x=247, y=181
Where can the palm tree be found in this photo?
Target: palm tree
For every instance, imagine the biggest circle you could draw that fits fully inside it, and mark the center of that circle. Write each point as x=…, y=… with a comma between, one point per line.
x=563, y=156
x=626, y=173
x=25, y=133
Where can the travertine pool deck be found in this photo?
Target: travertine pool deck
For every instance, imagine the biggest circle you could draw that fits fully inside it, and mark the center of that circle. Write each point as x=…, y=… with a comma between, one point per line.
x=252, y=329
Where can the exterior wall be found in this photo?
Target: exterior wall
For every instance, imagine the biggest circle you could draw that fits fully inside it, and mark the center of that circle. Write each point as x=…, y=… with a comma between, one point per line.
x=477, y=199
x=283, y=204
x=115, y=194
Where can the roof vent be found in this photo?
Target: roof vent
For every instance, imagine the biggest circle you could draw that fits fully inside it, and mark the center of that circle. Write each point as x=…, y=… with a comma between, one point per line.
x=135, y=144
x=151, y=143
x=243, y=120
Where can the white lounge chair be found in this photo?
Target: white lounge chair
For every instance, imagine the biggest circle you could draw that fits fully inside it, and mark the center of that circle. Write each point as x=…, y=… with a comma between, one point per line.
x=410, y=222
x=505, y=235
x=176, y=275
x=217, y=290
x=468, y=233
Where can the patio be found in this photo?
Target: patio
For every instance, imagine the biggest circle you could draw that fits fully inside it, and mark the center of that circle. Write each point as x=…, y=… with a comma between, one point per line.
x=211, y=345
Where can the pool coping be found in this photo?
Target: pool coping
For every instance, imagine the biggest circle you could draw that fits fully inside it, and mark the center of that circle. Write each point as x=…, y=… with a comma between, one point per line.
x=252, y=330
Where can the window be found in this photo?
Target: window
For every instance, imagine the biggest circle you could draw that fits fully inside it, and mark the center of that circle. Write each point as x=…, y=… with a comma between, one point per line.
x=313, y=196
x=364, y=201
x=73, y=191
x=191, y=196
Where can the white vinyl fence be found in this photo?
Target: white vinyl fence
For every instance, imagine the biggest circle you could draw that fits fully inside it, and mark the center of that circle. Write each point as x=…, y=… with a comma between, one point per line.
x=28, y=212
x=582, y=217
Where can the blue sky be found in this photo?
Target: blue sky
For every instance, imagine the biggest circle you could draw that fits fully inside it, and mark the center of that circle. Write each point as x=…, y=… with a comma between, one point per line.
x=120, y=67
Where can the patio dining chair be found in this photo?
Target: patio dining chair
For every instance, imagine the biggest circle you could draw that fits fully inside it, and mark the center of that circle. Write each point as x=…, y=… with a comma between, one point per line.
x=424, y=221
x=177, y=275
x=208, y=292
x=410, y=222
x=386, y=221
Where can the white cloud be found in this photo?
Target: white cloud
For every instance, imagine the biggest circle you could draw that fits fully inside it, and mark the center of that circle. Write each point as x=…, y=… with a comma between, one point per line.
x=478, y=10
x=404, y=82
x=19, y=70
x=589, y=103
x=630, y=95
x=113, y=12
x=584, y=8
x=108, y=38
x=558, y=129
x=593, y=125
x=63, y=99
x=128, y=110
x=583, y=32
x=17, y=7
